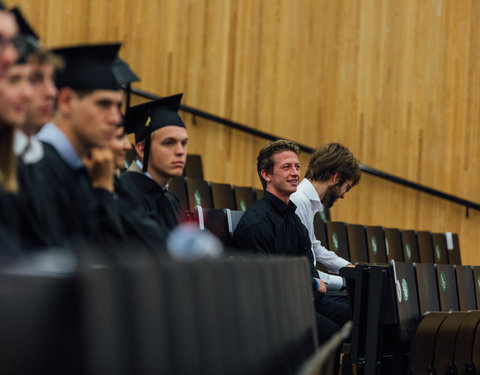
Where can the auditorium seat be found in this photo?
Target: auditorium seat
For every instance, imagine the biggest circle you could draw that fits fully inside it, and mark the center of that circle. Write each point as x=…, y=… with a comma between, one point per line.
x=393, y=244
x=410, y=247
x=424, y=343
x=233, y=217
x=337, y=238
x=440, y=248
x=215, y=221
x=376, y=245
x=447, y=287
x=320, y=229
x=427, y=287
x=222, y=196
x=465, y=339
x=447, y=338
x=244, y=197
x=425, y=247
x=454, y=249
x=476, y=280
x=258, y=194
x=357, y=243
x=198, y=193
x=466, y=288
x=177, y=186
x=193, y=166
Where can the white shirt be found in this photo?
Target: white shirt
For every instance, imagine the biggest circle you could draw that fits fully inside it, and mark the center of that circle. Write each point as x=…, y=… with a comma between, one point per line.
x=30, y=149
x=308, y=204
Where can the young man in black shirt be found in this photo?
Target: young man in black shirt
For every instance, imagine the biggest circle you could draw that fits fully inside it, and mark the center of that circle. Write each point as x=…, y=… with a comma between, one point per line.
x=271, y=226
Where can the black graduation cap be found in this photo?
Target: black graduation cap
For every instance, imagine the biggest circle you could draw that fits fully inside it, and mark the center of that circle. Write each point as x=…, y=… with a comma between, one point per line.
x=145, y=118
x=123, y=73
x=88, y=67
x=27, y=40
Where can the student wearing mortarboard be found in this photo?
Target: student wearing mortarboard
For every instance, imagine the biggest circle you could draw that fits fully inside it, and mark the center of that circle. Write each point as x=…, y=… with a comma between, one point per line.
x=161, y=143
x=72, y=203
x=42, y=65
x=8, y=50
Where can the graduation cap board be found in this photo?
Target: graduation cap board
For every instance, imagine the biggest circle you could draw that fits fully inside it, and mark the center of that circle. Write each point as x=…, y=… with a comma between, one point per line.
x=123, y=73
x=145, y=118
x=27, y=40
x=88, y=67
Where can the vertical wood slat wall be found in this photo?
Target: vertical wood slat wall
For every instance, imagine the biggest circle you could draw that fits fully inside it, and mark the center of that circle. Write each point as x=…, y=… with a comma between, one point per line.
x=398, y=82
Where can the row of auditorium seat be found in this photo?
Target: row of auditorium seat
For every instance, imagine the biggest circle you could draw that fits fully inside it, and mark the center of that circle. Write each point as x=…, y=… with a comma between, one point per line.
x=388, y=303
x=138, y=315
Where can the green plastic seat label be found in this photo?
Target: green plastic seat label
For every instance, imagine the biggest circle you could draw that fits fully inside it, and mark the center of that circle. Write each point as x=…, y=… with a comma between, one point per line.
x=437, y=252
x=374, y=245
x=335, y=241
x=243, y=205
x=198, y=198
x=443, y=281
x=405, y=290
x=408, y=250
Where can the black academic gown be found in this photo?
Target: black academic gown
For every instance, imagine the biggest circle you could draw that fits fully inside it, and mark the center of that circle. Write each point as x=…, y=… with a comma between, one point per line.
x=162, y=205
x=141, y=228
x=66, y=208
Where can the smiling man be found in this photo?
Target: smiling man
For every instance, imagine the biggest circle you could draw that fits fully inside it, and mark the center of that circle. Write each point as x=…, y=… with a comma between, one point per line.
x=270, y=227
x=332, y=172
x=161, y=144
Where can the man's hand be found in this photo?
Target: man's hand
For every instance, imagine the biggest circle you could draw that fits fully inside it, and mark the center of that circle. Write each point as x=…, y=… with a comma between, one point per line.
x=99, y=163
x=350, y=265
x=322, y=287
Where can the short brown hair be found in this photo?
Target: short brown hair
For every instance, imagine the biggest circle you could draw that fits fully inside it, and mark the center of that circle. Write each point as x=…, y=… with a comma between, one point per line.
x=265, y=156
x=333, y=158
x=42, y=57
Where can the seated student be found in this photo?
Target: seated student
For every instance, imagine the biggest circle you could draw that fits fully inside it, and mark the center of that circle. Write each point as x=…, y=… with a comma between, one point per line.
x=161, y=143
x=43, y=65
x=271, y=227
x=74, y=205
x=331, y=173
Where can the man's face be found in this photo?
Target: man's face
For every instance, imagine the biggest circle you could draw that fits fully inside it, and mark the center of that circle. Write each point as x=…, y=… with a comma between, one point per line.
x=120, y=145
x=286, y=174
x=334, y=192
x=40, y=108
x=168, y=152
x=15, y=93
x=94, y=117
x=8, y=53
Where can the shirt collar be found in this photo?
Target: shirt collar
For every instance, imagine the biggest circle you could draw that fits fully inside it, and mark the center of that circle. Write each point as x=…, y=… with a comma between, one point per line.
x=140, y=165
x=53, y=136
x=280, y=205
x=308, y=189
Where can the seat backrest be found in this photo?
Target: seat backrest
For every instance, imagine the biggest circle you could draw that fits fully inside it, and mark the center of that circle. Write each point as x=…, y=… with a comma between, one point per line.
x=427, y=287
x=222, y=196
x=407, y=299
x=393, y=244
x=357, y=243
x=476, y=281
x=423, y=345
x=425, y=247
x=466, y=288
x=453, y=248
x=233, y=218
x=198, y=193
x=215, y=221
x=465, y=339
x=244, y=197
x=446, y=340
x=177, y=186
x=320, y=229
x=376, y=245
x=193, y=166
x=410, y=247
x=447, y=287
x=259, y=194
x=337, y=238
x=440, y=248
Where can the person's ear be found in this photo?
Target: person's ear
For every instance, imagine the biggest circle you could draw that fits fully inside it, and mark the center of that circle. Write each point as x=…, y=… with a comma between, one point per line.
x=64, y=101
x=140, y=148
x=265, y=175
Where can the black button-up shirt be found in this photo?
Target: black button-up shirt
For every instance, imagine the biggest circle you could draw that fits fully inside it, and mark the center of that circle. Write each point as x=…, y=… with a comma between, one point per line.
x=271, y=227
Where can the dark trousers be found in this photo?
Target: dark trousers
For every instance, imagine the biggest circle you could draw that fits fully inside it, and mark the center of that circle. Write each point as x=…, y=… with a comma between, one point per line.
x=330, y=316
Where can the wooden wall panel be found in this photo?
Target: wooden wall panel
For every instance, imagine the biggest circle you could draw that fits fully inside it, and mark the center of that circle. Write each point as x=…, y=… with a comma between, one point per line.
x=396, y=81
